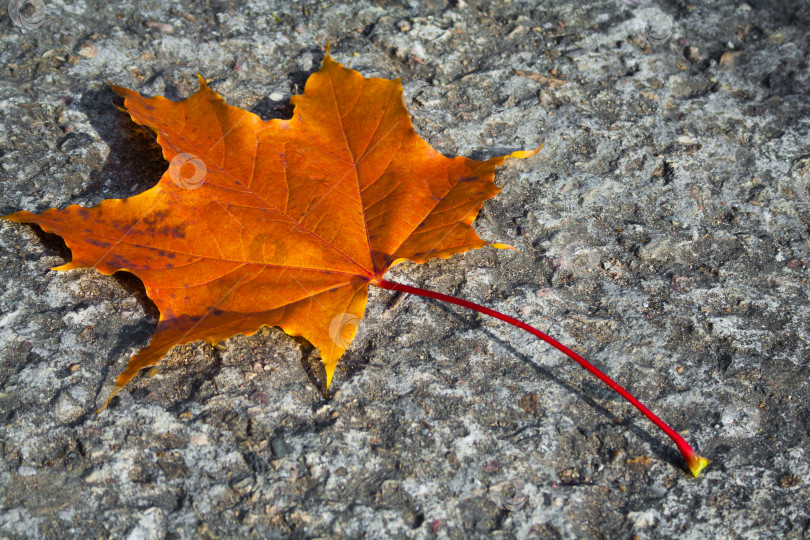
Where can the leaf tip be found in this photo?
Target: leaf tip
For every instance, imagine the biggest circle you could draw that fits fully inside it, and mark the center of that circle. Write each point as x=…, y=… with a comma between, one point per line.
x=523, y=154
x=19, y=216
x=505, y=246
x=120, y=90
x=329, y=373
x=113, y=391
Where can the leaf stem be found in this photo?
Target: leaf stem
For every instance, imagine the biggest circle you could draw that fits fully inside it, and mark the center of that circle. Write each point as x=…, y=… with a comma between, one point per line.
x=693, y=461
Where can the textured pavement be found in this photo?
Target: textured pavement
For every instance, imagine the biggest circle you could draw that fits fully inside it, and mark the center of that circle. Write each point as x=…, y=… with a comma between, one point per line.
x=662, y=233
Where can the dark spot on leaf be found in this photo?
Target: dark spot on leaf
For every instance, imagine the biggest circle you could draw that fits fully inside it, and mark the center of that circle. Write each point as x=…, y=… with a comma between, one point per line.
x=119, y=261
x=172, y=231
x=98, y=243
x=154, y=218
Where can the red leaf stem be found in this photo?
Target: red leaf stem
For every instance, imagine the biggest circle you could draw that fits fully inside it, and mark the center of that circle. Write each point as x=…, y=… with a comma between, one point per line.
x=693, y=461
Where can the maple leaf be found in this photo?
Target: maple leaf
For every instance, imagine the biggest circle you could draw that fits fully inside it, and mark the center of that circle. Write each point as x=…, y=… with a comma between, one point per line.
x=287, y=222
x=282, y=222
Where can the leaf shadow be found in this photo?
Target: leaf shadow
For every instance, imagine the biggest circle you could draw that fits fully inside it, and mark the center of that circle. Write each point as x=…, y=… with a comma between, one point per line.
x=311, y=364
x=52, y=242
x=267, y=109
x=299, y=78
x=495, y=151
x=133, y=285
x=135, y=161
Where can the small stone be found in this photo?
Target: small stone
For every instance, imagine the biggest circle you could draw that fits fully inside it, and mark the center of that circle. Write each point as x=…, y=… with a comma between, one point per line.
x=301, y=517
x=25, y=470
x=199, y=439
x=88, y=50
x=67, y=410
x=279, y=447
x=569, y=476
x=305, y=62
x=529, y=403
x=573, y=54
x=276, y=96
x=404, y=26
x=643, y=520
x=789, y=480
x=693, y=54
x=163, y=28
x=151, y=526
x=730, y=58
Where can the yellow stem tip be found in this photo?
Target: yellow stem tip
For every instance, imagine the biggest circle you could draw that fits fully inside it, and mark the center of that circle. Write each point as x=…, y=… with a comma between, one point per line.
x=697, y=464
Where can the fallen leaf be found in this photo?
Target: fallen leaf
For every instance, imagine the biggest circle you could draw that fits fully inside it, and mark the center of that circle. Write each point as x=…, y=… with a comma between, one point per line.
x=282, y=222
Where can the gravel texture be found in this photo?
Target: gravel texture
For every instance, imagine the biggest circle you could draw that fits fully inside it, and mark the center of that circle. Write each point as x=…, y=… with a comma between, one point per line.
x=662, y=233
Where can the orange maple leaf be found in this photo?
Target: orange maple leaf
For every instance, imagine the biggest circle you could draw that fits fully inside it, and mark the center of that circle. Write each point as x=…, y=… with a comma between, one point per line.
x=282, y=222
